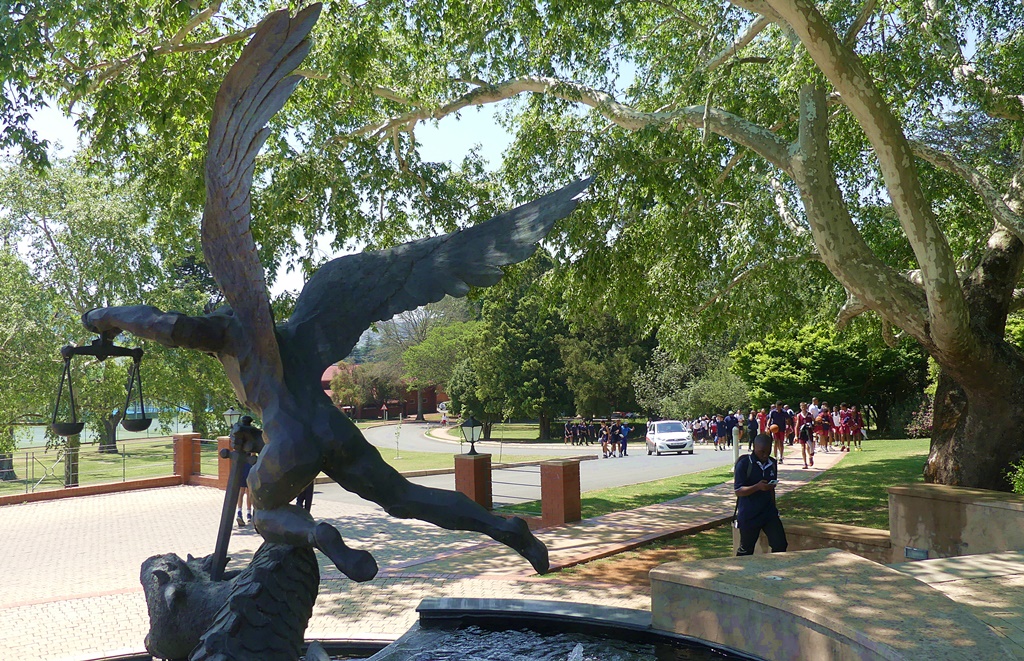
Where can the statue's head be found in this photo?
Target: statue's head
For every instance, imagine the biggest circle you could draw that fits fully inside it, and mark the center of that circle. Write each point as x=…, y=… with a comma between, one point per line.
x=182, y=602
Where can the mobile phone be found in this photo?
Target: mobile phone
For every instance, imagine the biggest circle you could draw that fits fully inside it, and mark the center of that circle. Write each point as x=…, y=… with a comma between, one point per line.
x=773, y=481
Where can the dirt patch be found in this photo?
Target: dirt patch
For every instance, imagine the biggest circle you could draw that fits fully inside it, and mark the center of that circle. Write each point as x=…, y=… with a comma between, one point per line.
x=631, y=568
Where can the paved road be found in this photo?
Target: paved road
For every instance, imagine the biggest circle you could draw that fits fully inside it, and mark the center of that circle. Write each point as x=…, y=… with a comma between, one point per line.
x=523, y=484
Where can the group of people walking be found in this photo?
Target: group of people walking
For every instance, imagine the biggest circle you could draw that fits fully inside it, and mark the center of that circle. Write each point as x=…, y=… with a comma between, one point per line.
x=814, y=425
x=613, y=435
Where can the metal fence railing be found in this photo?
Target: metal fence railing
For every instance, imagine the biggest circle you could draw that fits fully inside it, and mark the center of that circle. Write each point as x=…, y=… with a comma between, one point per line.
x=205, y=462
x=512, y=487
x=57, y=468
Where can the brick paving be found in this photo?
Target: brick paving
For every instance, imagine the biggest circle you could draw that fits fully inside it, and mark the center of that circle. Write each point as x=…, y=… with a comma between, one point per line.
x=69, y=570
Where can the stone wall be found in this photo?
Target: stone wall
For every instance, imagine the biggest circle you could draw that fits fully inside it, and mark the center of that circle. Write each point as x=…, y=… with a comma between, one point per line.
x=945, y=522
x=870, y=543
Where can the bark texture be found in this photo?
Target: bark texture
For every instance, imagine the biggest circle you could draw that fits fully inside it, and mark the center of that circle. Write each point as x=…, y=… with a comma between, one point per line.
x=978, y=420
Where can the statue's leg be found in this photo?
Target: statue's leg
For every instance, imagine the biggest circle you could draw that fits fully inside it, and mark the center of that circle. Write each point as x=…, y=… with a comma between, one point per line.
x=364, y=473
x=272, y=486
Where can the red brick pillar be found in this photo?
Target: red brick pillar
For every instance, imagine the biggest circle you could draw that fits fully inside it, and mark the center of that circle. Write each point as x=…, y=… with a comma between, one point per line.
x=185, y=455
x=560, y=492
x=223, y=465
x=473, y=478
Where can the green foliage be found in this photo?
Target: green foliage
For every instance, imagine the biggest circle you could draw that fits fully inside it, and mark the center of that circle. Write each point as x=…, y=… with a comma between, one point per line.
x=600, y=356
x=346, y=389
x=818, y=362
x=1016, y=477
x=89, y=242
x=432, y=361
x=717, y=390
x=466, y=397
x=521, y=365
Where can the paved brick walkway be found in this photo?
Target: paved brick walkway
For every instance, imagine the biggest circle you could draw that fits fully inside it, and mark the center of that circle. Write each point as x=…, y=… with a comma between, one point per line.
x=69, y=569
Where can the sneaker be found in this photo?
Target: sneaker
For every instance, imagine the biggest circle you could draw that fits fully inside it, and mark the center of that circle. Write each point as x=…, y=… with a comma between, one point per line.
x=805, y=466
x=239, y=519
x=812, y=460
x=249, y=518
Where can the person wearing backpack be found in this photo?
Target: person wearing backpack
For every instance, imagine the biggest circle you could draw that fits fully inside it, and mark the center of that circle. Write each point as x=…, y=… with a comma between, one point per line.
x=755, y=477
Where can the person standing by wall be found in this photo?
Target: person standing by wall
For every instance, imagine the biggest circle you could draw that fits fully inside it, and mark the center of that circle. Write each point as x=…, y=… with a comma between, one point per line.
x=755, y=477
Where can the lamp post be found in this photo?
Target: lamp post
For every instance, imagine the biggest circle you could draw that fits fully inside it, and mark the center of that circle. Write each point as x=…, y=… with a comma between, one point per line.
x=471, y=429
x=231, y=416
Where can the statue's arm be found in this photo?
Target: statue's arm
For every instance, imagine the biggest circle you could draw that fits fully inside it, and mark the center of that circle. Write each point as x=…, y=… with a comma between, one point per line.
x=172, y=329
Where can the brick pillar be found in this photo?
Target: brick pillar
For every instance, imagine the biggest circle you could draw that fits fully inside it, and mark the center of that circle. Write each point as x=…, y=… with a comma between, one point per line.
x=223, y=465
x=560, y=492
x=185, y=455
x=473, y=478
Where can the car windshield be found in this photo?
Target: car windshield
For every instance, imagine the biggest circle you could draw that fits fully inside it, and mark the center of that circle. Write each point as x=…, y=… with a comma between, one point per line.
x=669, y=427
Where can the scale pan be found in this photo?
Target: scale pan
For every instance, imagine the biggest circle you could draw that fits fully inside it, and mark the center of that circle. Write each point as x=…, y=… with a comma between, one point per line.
x=67, y=428
x=136, y=424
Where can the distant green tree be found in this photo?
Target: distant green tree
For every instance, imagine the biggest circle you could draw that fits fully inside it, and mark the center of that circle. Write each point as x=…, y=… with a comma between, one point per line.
x=346, y=390
x=717, y=390
x=432, y=361
x=817, y=362
x=600, y=357
x=30, y=364
x=468, y=399
x=520, y=362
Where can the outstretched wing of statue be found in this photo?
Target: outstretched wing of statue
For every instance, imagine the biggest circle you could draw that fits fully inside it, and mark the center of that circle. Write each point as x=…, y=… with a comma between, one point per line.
x=255, y=88
x=349, y=293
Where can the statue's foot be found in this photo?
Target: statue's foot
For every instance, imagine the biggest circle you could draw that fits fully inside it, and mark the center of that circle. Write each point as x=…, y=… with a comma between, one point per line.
x=527, y=545
x=357, y=564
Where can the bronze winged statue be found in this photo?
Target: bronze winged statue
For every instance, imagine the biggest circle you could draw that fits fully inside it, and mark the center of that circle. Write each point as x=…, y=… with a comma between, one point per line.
x=275, y=368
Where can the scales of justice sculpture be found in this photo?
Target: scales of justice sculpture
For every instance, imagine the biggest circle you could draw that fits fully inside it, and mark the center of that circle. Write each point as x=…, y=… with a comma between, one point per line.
x=198, y=611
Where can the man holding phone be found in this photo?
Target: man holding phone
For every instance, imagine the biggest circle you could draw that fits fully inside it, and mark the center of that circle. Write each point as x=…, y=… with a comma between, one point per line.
x=754, y=478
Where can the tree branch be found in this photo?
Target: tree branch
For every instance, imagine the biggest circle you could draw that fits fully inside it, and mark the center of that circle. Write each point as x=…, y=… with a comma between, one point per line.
x=114, y=68
x=851, y=309
x=748, y=270
x=981, y=185
x=948, y=316
x=195, y=21
x=784, y=212
x=730, y=126
x=858, y=24
x=840, y=244
x=759, y=24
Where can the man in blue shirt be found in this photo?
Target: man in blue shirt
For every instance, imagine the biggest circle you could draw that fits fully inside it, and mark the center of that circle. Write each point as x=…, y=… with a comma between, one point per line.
x=754, y=479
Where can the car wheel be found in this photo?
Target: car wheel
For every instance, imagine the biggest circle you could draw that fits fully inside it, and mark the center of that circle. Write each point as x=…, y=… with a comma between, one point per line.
x=657, y=452
x=690, y=452
x=648, y=452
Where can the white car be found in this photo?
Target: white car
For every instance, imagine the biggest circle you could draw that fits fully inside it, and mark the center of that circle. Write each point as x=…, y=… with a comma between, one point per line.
x=668, y=436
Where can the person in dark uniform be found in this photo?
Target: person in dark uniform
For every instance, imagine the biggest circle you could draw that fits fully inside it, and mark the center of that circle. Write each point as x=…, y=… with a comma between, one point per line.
x=305, y=499
x=755, y=477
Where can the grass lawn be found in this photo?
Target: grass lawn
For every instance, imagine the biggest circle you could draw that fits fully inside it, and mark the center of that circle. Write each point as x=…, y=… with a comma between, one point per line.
x=155, y=458
x=854, y=492
x=134, y=460
x=617, y=499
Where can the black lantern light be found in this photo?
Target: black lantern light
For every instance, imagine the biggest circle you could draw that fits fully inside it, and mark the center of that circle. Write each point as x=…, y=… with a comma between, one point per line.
x=471, y=429
x=231, y=416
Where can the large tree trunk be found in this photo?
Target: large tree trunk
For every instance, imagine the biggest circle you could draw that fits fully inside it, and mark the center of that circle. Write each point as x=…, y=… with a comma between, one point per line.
x=419, y=405
x=978, y=420
x=545, y=427
x=108, y=443
x=977, y=433
x=199, y=425
x=7, y=473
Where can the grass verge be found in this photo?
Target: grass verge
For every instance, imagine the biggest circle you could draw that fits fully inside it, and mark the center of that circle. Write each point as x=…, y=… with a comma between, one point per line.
x=617, y=499
x=855, y=491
